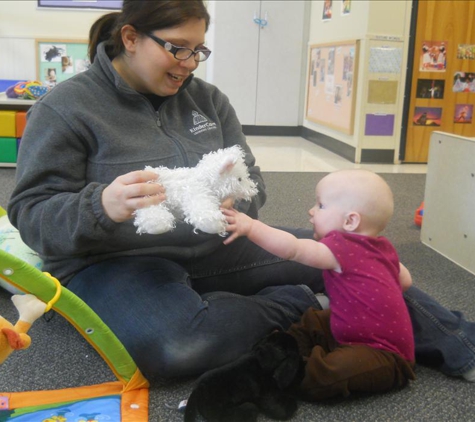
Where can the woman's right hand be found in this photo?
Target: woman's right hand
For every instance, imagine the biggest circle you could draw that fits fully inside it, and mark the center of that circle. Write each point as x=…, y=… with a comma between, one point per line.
x=129, y=192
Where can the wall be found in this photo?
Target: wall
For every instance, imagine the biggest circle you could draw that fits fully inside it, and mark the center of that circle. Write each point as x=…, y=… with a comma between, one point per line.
x=22, y=21
x=368, y=18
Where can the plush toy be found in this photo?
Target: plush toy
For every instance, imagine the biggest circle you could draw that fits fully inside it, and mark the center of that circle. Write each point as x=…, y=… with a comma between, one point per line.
x=264, y=380
x=195, y=194
x=14, y=337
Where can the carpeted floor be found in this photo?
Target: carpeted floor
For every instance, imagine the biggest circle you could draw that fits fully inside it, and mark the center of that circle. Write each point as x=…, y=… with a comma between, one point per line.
x=60, y=357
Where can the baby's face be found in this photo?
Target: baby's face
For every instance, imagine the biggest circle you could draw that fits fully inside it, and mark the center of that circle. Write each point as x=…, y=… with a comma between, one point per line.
x=328, y=213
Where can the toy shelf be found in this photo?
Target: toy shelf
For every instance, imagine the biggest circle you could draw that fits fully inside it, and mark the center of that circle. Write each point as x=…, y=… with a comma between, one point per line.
x=14, y=105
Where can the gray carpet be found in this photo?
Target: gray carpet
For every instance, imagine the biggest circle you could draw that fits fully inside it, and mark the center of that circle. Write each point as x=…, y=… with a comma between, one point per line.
x=60, y=357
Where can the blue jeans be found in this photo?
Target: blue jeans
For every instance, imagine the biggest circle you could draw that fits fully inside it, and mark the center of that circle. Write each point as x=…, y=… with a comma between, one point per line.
x=184, y=318
x=181, y=319
x=443, y=338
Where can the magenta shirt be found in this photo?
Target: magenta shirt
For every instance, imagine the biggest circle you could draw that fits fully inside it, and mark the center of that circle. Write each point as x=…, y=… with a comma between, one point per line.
x=366, y=301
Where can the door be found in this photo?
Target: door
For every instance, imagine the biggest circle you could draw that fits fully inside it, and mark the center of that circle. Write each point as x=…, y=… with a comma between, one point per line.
x=232, y=67
x=258, y=65
x=447, y=29
x=280, y=63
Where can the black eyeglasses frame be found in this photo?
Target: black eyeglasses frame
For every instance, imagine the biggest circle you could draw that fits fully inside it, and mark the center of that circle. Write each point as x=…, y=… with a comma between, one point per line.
x=174, y=49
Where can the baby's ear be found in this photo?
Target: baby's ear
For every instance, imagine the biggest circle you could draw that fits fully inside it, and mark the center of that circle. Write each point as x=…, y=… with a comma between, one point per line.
x=352, y=221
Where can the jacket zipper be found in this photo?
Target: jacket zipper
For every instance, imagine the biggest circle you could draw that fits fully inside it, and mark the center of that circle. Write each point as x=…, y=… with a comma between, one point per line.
x=176, y=142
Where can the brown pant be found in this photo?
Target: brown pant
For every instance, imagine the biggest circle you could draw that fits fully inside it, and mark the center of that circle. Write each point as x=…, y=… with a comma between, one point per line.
x=333, y=369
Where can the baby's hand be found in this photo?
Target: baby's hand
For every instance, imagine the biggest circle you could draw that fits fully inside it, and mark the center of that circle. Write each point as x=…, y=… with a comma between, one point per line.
x=239, y=224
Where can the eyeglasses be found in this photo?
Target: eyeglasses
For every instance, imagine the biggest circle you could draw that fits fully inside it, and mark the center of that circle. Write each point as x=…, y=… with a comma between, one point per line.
x=182, y=53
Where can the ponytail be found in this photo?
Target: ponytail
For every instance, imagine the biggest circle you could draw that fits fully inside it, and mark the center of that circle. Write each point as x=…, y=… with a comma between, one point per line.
x=101, y=30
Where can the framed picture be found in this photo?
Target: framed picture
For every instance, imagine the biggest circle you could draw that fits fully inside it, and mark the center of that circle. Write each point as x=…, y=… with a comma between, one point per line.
x=463, y=113
x=332, y=80
x=433, y=56
x=427, y=116
x=58, y=60
x=81, y=4
x=430, y=88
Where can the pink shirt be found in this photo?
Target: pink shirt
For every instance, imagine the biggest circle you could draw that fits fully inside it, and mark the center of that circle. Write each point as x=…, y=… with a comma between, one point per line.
x=366, y=301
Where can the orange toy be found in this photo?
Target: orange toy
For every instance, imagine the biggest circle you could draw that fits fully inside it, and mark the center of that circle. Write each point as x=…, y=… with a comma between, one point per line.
x=419, y=214
x=14, y=337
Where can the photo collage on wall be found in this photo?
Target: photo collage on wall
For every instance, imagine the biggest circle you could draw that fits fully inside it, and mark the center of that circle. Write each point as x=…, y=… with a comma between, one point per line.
x=59, y=61
x=433, y=58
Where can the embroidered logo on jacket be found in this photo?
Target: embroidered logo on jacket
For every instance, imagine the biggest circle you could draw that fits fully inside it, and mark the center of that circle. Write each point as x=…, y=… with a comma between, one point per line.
x=201, y=123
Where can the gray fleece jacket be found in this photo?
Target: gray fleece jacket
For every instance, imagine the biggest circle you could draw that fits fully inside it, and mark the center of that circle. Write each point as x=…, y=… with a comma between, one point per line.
x=92, y=128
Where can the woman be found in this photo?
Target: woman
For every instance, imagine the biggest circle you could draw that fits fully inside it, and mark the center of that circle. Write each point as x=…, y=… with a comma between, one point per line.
x=180, y=302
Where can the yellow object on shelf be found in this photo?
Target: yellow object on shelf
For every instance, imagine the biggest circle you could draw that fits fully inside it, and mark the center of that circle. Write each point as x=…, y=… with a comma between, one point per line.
x=7, y=124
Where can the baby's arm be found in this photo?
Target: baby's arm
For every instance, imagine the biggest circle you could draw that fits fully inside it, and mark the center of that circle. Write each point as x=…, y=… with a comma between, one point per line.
x=278, y=242
x=405, y=278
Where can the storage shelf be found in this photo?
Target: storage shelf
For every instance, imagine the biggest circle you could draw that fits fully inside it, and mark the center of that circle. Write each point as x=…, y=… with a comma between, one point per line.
x=14, y=104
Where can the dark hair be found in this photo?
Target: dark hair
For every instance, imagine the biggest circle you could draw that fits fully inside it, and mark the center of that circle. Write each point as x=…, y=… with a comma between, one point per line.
x=145, y=15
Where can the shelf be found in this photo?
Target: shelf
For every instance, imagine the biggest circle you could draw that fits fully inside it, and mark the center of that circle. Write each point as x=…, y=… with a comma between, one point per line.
x=14, y=104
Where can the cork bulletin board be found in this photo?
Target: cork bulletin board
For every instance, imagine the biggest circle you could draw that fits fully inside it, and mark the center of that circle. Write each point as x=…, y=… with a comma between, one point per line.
x=331, y=90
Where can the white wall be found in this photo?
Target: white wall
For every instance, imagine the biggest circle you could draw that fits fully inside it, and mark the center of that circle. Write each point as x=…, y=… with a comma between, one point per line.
x=21, y=22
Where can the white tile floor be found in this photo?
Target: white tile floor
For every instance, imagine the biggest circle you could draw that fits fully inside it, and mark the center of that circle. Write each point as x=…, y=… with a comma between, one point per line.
x=287, y=153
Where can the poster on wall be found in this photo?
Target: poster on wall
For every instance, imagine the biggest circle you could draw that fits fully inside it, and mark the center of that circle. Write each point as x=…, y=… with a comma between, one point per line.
x=464, y=82
x=331, y=92
x=433, y=57
x=81, y=4
x=466, y=52
x=345, y=7
x=427, y=116
x=58, y=60
x=463, y=113
x=430, y=88
x=382, y=92
x=379, y=124
x=385, y=59
x=327, y=10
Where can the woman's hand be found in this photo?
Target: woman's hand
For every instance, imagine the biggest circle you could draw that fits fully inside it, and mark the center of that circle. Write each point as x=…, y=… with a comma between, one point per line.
x=130, y=192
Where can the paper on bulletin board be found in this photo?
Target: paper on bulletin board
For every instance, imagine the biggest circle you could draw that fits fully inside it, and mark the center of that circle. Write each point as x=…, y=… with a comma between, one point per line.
x=385, y=59
x=382, y=92
x=331, y=85
x=379, y=125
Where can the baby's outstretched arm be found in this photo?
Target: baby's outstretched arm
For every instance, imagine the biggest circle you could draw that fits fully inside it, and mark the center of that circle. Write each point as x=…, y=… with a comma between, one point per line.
x=278, y=242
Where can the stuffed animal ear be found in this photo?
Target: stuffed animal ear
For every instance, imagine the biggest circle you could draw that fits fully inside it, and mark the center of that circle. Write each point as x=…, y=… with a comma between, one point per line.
x=227, y=165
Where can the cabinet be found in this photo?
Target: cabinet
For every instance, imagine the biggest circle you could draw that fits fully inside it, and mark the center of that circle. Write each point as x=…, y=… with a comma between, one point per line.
x=257, y=58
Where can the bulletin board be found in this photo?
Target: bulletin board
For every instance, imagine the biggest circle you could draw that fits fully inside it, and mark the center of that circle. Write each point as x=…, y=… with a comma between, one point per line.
x=331, y=90
x=58, y=59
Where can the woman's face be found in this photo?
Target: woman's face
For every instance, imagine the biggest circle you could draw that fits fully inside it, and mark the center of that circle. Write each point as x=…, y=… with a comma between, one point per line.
x=150, y=69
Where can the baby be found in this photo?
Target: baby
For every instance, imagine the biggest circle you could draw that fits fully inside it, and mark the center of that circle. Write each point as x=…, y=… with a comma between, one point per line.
x=364, y=342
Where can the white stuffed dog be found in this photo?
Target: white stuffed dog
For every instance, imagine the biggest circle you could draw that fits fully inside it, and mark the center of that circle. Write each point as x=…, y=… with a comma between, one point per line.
x=195, y=194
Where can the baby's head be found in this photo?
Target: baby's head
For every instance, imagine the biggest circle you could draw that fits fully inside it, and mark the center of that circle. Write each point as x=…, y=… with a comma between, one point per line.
x=355, y=201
